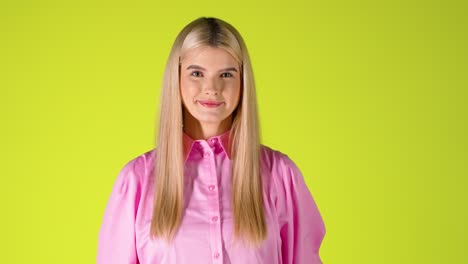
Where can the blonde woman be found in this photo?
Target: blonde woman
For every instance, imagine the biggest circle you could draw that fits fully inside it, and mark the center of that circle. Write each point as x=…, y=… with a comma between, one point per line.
x=210, y=192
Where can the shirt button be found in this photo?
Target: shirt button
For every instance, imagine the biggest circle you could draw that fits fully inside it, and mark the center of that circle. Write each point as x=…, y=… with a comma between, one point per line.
x=214, y=218
x=216, y=255
x=214, y=140
x=206, y=154
x=211, y=187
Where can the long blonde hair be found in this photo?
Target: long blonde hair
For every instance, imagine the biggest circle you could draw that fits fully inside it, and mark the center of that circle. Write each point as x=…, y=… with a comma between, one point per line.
x=247, y=201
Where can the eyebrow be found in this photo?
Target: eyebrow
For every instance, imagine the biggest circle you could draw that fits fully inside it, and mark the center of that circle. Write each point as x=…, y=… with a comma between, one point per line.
x=197, y=67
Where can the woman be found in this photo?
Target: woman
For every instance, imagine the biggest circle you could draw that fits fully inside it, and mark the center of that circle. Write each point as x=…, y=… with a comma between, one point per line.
x=210, y=192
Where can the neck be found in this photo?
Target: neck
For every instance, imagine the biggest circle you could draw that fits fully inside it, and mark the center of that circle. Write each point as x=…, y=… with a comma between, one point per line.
x=201, y=130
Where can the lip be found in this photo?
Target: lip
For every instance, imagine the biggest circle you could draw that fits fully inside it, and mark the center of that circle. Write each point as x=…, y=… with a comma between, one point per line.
x=209, y=103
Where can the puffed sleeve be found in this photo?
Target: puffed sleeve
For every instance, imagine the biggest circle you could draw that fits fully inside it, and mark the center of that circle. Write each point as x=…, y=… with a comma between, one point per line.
x=116, y=242
x=301, y=225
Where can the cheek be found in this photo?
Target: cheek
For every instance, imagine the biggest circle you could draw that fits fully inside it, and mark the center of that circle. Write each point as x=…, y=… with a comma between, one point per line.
x=185, y=90
x=234, y=95
x=237, y=90
x=189, y=86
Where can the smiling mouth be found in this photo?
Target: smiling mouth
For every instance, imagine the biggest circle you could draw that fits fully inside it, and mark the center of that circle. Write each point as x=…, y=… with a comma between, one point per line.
x=210, y=104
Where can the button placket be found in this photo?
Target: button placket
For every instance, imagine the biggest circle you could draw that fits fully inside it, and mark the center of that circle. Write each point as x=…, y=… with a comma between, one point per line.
x=206, y=151
x=213, y=216
x=213, y=141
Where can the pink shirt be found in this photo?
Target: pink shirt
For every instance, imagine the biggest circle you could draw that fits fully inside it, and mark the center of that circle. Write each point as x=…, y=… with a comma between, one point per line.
x=295, y=227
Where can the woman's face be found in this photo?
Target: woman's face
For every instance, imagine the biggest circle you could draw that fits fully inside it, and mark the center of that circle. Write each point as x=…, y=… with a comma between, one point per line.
x=210, y=85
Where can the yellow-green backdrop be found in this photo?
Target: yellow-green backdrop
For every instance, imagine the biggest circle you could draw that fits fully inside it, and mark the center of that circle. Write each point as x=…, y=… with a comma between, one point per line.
x=367, y=97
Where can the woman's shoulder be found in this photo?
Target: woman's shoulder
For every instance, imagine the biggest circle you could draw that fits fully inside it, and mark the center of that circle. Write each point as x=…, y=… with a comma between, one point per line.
x=142, y=160
x=281, y=175
x=137, y=168
x=279, y=168
x=272, y=158
x=149, y=156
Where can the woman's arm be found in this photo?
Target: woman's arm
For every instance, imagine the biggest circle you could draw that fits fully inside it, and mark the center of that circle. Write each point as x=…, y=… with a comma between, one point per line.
x=116, y=244
x=301, y=225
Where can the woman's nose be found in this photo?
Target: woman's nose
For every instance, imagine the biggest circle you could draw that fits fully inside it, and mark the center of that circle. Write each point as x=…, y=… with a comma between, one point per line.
x=211, y=87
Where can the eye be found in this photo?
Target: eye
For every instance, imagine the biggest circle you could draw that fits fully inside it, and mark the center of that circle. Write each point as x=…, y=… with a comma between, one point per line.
x=196, y=74
x=226, y=74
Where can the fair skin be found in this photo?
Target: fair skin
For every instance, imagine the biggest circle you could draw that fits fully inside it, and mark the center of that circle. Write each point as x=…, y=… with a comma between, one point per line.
x=210, y=85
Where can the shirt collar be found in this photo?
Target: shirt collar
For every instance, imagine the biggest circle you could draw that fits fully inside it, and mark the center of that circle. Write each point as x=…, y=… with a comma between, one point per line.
x=224, y=139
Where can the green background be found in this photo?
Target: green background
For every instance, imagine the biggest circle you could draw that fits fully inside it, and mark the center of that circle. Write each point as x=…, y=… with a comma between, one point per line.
x=367, y=97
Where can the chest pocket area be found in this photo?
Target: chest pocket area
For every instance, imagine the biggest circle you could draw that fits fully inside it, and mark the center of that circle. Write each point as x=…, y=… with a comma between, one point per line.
x=238, y=252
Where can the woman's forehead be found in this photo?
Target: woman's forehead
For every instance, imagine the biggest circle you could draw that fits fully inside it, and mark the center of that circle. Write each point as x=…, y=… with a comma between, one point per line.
x=208, y=56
